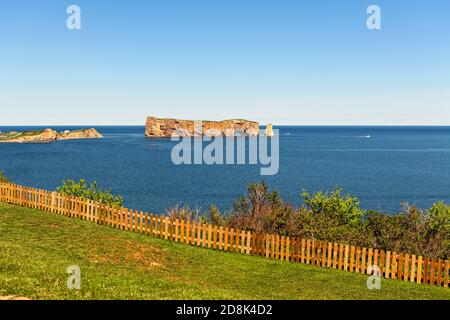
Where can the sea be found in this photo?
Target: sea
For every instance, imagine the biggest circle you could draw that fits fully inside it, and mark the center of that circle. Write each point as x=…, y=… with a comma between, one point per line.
x=382, y=166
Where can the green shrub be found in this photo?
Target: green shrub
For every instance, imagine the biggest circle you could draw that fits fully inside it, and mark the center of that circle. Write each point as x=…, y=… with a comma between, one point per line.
x=3, y=178
x=342, y=209
x=386, y=232
x=412, y=231
x=439, y=214
x=93, y=192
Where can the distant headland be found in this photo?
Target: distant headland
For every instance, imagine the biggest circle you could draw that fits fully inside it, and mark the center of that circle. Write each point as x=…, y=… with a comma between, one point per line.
x=48, y=135
x=165, y=128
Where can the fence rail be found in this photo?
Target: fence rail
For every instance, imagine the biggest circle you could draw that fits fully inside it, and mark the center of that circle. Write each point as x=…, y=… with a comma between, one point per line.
x=392, y=265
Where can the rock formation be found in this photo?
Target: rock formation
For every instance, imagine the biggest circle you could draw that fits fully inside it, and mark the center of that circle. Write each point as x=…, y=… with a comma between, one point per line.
x=269, y=131
x=48, y=135
x=79, y=134
x=157, y=127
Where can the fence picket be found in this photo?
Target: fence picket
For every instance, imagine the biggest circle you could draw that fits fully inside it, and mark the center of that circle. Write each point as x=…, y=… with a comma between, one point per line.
x=382, y=262
x=406, y=266
x=288, y=249
x=319, y=248
x=341, y=256
x=432, y=271
x=203, y=240
x=346, y=256
x=400, y=267
x=394, y=265
x=352, y=258
x=188, y=232
x=335, y=255
x=330, y=253
x=226, y=240
x=215, y=236
x=439, y=272
x=268, y=243
x=447, y=272
x=358, y=260
x=277, y=245
x=282, y=244
x=220, y=237
x=237, y=235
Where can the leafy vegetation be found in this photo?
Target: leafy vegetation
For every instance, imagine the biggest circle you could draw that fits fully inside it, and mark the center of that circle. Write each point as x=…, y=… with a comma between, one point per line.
x=440, y=216
x=336, y=217
x=344, y=209
x=36, y=248
x=91, y=192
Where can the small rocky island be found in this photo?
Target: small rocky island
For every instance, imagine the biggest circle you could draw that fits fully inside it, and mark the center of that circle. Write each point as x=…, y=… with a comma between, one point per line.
x=165, y=128
x=48, y=135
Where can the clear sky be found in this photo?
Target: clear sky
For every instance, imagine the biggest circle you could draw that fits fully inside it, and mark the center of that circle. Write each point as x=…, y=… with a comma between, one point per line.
x=279, y=61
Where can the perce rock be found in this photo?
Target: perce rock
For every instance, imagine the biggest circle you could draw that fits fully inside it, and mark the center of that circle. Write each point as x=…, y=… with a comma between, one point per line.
x=165, y=128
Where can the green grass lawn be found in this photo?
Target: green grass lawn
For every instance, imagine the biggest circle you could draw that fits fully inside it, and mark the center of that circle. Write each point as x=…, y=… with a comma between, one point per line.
x=37, y=247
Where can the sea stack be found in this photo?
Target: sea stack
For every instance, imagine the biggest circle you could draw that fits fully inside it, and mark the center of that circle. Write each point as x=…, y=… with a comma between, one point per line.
x=269, y=131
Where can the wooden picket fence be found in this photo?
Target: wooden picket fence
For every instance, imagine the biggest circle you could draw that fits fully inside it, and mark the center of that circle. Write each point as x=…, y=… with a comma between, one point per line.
x=392, y=265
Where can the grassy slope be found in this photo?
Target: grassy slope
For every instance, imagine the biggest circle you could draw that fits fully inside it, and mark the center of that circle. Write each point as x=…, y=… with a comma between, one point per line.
x=37, y=247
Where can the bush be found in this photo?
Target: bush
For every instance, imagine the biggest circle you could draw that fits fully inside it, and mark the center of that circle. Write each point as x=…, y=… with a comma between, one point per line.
x=260, y=211
x=93, y=192
x=341, y=209
x=185, y=213
x=212, y=216
x=3, y=178
x=439, y=215
x=215, y=217
x=412, y=231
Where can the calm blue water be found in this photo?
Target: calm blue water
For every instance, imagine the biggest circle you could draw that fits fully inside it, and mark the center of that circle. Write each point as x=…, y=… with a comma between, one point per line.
x=395, y=164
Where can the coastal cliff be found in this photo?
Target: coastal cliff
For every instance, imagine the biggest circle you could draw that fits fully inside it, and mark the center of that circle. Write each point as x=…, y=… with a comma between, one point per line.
x=48, y=135
x=158, y=127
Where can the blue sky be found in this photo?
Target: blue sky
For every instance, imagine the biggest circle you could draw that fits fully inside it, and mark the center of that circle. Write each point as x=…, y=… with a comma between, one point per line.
x=285, y=62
